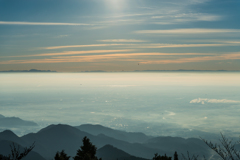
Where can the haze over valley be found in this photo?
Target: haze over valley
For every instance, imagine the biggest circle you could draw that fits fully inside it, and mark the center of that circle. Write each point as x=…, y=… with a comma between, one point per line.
x=159, y=104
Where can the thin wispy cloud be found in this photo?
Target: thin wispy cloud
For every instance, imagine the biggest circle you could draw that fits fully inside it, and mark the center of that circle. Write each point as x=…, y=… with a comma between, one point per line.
x=82, y=46
x=186, y=17
x=42, y=23
x=81, y=52
x=231, y=56
x=122, y=40
x=213, y=41
x=68, y=59
x=206, y=100
x=62, y=36
x=182, y=45
x=72, y=53
x=170, y=113
x=188, y=31
x=228, y=42
x=120, y=55
x=163, y=23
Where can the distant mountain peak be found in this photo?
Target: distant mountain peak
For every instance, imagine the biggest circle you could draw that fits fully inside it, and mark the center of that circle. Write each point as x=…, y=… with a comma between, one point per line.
x=57, y=128
x=53, y=126
x=9, y=122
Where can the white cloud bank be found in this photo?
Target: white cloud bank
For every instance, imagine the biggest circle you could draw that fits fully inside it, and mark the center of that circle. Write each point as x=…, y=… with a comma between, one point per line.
x=206, y=100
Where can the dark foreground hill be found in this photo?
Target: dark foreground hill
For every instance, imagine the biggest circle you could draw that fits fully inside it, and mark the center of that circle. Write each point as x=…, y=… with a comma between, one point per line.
x=57, y=137
x=108, y=152
x=6, y=150
x=10, y=136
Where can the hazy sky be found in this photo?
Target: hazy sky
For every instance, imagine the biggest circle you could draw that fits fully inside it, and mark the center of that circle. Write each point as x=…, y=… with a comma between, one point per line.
x=116, y=35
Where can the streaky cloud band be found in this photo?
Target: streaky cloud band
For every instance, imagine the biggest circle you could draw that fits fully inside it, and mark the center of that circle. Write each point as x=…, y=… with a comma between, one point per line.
x=188, y=31
x=42, y=23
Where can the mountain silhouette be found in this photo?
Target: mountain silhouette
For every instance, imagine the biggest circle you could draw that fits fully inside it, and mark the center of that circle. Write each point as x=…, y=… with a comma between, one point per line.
x=56, y=138
x=10, y=136
x=8, y=122
x=59, y=137
x=117, y=134
x=109, y=152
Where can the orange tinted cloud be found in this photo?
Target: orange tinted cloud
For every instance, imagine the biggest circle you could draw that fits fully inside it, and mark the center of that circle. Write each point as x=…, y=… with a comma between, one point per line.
x=195, y=59
x=103, y=57
x=81, y=46
x=73, y=53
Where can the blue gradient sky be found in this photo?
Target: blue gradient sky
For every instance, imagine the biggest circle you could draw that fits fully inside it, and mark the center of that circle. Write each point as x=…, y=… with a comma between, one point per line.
x=116, y=35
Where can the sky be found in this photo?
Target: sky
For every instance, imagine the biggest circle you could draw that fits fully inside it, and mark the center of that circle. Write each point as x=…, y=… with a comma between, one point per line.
x=119, y=35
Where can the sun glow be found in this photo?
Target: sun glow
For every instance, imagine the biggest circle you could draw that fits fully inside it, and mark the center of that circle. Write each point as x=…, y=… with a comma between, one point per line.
x=115, y=5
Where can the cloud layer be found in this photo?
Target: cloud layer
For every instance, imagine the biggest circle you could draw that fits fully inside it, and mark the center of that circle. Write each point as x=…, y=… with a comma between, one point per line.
x=206, y=100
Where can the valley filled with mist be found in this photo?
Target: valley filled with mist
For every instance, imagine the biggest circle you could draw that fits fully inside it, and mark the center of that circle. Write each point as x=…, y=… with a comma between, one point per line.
x=138, y=113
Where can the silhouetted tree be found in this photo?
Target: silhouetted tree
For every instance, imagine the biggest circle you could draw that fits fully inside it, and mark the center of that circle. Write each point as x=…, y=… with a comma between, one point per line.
x=61, y=156
x=87, y=151
x=175, y=156
x=2, y=157
x=226, y=149
x=16, y=154
x=193, y=157
x=159, y=157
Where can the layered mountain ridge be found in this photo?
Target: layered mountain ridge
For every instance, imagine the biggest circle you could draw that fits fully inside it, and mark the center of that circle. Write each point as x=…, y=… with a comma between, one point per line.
x=125, y=145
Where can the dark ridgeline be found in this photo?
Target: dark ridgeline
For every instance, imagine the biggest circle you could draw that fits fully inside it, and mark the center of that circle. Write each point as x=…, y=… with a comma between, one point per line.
x=60, y=137
x=109, y=152
x=134, y=137
x=88, y=151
